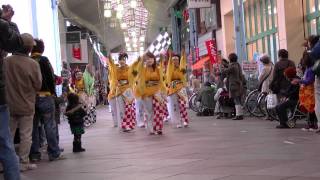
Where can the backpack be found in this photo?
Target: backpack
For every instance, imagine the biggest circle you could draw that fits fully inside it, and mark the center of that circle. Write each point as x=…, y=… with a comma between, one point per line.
x=225, y=99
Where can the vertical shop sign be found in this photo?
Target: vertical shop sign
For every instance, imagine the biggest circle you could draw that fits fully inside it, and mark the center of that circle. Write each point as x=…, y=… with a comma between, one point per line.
x=212, y=50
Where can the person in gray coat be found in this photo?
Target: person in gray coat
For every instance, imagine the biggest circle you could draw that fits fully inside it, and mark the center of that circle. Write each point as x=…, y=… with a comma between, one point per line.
x=235, y=84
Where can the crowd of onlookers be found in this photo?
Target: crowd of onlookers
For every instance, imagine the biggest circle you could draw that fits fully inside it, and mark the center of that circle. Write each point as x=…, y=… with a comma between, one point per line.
x=29, y=104
x=294, y=86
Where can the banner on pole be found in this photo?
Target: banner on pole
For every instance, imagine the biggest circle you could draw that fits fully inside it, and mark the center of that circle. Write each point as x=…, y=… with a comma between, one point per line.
x=212, y=50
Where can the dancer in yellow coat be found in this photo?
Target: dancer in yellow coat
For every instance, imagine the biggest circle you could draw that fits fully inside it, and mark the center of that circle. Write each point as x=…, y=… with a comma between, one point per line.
x=150, y=84
x=120, y=96
x=177, y=96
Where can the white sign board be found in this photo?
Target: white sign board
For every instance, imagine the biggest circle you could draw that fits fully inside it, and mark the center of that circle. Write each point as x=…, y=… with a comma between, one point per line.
x=199, y=4
x=249, y=67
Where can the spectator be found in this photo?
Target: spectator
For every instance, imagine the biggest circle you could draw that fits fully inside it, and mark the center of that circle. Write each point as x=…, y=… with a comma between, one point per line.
x=315, y=55
x=307, y=95
x=206, y=98
x=10, y=41
x=45, y=108
x=219, y=74
x=24, y=78
x=224, y=104
x=291, y=97
x=265, y=77
x=279, y=84
x=235, y=84
x=75, y=114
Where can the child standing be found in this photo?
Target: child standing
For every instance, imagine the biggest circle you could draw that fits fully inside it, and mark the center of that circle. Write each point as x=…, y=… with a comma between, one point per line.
x=75, y=114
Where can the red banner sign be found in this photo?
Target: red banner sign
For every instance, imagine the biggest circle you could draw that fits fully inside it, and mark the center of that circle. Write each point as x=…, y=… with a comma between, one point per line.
x=212, y=50
x=197, y=54
x=76, y=51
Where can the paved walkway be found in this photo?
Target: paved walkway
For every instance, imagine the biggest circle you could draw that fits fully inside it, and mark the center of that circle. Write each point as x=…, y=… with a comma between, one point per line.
x=210, y=149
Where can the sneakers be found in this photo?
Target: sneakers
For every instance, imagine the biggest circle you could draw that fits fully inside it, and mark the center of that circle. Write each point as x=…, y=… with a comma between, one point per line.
x=60, y=157
x=27, y=167
x=179, y=126
x=185, y=124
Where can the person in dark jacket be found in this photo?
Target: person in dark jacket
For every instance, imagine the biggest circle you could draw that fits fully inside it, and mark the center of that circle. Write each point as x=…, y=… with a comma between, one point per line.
x=291, y=97
x=206, y=99
x=75, y=114
x=45, y=108
x=279, y=83
x=10, y=41
x=235, y=85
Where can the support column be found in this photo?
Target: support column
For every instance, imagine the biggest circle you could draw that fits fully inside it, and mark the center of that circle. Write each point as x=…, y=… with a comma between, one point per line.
x=193, y=32
x=175, y=32
x=240, y=43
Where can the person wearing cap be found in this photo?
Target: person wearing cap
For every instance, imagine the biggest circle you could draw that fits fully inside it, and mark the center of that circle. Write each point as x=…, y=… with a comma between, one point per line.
x=121, y=96
x=177, y=97
x=291, y=97
x=45, y=108
x=23, y=80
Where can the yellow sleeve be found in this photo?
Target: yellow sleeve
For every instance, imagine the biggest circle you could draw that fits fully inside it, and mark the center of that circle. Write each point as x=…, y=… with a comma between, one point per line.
x=112, y=75
x=170, y=68
x=133, y=71
x=183, y=68
x=162, y=83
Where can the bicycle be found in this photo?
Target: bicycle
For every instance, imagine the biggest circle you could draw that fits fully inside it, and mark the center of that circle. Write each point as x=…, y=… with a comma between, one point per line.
x=252, y=103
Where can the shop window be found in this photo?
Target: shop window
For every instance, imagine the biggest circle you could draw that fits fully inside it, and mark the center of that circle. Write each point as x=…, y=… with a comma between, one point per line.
x=312, y=14
x=261, y=27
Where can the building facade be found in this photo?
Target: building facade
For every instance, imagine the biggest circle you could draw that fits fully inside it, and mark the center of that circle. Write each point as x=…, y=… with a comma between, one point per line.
x=270, y=25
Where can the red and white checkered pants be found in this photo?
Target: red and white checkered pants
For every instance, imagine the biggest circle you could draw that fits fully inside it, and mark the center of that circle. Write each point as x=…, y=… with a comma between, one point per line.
x=158, y=111
x=165, y=112
x=183, y=110
x=128, y=121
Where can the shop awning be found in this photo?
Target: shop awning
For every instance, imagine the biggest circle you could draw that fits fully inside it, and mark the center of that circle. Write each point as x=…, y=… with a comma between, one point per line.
x=199, y=64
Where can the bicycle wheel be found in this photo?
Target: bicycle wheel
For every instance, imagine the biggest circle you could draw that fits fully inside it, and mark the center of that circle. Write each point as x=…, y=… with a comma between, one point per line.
x=193, y=103
x=251, y=104
x=261, y=103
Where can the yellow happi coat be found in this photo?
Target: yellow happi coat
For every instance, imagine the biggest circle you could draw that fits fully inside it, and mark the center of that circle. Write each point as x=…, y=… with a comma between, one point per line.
x=176, y=76
x=118, y=79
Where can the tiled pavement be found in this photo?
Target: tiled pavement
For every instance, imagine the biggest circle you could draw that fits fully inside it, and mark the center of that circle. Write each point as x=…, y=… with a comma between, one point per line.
x=210, y=149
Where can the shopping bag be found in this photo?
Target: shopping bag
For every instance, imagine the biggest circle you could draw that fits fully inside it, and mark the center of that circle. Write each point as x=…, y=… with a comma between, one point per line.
x=272, y=101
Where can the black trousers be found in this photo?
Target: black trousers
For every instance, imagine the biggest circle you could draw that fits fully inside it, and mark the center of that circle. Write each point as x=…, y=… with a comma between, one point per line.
x=282, y=110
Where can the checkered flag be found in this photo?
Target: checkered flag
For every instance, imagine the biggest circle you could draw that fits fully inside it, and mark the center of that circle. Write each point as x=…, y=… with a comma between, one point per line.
x=161, y=44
